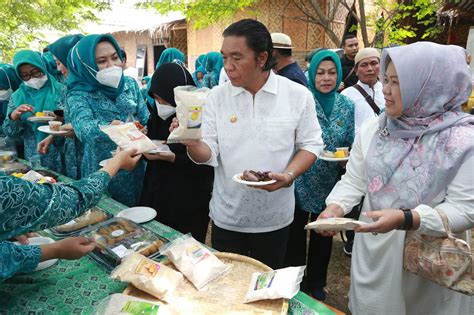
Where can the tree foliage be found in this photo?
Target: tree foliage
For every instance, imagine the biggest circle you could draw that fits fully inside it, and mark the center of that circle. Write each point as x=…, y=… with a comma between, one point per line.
x=22, y=20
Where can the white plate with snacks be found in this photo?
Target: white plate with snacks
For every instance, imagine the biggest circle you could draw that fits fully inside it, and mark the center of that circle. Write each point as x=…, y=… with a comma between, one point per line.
x=138, y=214
x=46, y=129
x=238, y=178
x=334, y=224
x=332, y=159
x=40, y=240
x=41, y=118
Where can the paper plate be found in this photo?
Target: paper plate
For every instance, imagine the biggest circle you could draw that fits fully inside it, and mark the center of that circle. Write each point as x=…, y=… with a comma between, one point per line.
x=334, y=224
x=138, y=214
x=46, y=129
x=41, y=241
x=332, y=159
x=238, y=179
x=162, y=148
x=41, y=118
x=104, y=162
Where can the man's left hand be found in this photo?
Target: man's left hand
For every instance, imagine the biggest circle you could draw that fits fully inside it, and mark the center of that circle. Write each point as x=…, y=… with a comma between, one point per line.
x=282, y=180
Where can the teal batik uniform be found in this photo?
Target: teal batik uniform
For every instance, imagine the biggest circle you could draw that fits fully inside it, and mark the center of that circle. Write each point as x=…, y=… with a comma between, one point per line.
x=336, y=117
x=92, y=105
x=73, y=149
x=27, y=207
x=9, y=80
x=47, y=98
x=52, y=67
x=214, y=64
x=199, y=67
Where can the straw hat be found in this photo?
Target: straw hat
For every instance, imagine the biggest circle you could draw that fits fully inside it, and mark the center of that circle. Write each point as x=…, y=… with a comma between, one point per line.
x=281, y=41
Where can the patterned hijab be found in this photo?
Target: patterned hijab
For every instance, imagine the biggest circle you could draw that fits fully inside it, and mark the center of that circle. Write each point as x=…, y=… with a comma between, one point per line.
x=326, y=100
x=199, y=66
x=414, y=157
x=81, y=60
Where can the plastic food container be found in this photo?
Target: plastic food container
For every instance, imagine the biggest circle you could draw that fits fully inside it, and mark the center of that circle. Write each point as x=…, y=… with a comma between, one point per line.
x=90, y=217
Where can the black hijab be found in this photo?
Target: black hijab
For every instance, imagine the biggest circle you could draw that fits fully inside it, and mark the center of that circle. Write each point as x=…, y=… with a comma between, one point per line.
x=166, y=78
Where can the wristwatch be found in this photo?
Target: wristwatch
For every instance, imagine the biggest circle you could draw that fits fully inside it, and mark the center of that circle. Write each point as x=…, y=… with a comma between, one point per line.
x=408, y=220
x=292, y=175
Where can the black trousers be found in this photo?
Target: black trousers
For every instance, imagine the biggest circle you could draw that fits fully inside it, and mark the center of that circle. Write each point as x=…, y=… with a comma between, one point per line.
x=268, y=247
x=319, y=252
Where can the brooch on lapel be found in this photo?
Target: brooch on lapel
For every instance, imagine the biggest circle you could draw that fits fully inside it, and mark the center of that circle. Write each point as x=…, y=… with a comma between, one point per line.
x=233, y=119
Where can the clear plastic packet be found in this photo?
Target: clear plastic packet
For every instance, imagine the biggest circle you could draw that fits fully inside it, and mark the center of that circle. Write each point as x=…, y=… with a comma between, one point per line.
x=90, y=217
x=275, y=284
x=120, y=304
x=148, y=275
x=127, y=136
x=195, y=261
x=189, y=105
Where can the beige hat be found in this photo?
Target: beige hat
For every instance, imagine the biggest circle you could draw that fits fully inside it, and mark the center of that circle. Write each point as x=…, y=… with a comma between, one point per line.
x=281, y=41
x=366, y=53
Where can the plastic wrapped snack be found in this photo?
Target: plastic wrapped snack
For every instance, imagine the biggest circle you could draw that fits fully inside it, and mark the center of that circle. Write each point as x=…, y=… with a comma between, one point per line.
x=120, y=304
x=90, y=217
x=148, y=275
x=276, y=284
x=127, y=136
x=189, y=105
x=194, y=260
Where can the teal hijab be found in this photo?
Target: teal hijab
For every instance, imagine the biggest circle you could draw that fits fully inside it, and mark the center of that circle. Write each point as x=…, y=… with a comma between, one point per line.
x=8, y=77
x=170, y=55
x=61, y=47
x=214, y=64
x=50, y=64
x=199, y=66
x=82, y=66
x=326, y=100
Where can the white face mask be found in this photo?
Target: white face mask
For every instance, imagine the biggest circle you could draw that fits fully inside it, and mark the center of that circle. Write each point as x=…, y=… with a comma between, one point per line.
x=36, y=83
x=110, y=76
x=165, y=111
x=5, y=94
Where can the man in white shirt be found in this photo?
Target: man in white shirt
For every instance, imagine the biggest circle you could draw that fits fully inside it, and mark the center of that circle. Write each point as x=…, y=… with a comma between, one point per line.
x=258, y=121
x=370, y=103
x=129, y=71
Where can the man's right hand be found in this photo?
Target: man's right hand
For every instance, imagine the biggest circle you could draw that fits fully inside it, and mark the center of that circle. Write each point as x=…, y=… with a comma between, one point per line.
x=20, y=110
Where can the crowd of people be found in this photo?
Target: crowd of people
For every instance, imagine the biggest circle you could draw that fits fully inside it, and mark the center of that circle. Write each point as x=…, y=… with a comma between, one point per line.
x=411, y=152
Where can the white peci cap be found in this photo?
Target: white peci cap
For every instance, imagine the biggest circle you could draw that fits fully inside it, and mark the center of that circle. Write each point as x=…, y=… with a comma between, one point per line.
x=281, y=41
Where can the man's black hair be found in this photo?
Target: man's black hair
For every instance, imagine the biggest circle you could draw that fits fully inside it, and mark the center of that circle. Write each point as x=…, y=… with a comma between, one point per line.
x=284, y=52
x=257, y=37
x=124, y=55
x=348, y=36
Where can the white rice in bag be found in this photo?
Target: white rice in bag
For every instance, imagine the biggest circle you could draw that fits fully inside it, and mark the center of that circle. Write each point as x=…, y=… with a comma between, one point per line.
x=276, y=284
x=195, y=261
x=147, y=275
x=120, y=304
x=127, y=136
x=189, y=105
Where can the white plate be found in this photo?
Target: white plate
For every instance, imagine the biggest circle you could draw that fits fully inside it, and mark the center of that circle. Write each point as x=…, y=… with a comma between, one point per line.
x=104, y=162
x=41, y=118
x=334, y=224
x=238, y=179
x=333, y=159
x=46, y=129
x=41, y=241
x=138, y=214
x=162, y=148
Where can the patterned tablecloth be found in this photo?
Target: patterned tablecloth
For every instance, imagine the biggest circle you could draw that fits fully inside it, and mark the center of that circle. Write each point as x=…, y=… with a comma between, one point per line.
x=77, y=286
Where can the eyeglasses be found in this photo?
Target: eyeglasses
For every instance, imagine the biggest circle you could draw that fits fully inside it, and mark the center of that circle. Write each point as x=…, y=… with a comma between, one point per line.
x=33, y=74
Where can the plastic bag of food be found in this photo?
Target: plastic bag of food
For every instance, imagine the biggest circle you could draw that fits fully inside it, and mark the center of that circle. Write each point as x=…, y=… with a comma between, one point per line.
x=195, y=261
x=127, y=136
x=148, y=275
x=275, y=284
x=189, y=105
x=120, y=304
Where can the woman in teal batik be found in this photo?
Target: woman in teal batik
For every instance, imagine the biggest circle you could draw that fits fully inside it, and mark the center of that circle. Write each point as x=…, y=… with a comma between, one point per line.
x=27, y=207
x=72, y=149
x=51, y=66
x=38, y=92
x=336, y=116
x=199, y=70
x=93, y=103
x=9, y=83
x=214, y=64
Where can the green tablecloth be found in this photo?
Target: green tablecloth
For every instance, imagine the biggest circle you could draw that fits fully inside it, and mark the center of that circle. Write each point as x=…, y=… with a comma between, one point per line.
x=76, y=286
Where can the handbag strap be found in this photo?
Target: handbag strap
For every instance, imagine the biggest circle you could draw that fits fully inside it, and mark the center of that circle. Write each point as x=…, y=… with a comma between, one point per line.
x=368, y=99
x=444, y=219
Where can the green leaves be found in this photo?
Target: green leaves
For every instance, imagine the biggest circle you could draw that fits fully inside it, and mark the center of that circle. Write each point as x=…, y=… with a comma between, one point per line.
x=21, y=20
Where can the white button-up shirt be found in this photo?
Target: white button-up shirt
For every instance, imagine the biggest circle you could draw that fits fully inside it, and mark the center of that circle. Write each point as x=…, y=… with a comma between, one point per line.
x=363, y=110
x=261, y=133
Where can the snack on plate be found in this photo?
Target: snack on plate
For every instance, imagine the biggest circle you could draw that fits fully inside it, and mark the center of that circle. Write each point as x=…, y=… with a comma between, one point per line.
x=116, y=238
x=148, y=275
x=190, y=101
x=334, y=224
x=256, y=176
x=90, y=217
x=7, y=156
x=55, y=125
x=276, y=284
x=194, y=260
x=127, y=136
x=40, y=114
x=138, y=125
x=121, y=304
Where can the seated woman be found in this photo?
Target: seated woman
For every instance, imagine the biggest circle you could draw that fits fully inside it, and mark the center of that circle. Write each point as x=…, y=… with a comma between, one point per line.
x=26, y=207
x=38, y=92
x=179, y=189
x=99, y=94
x=418, y=155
